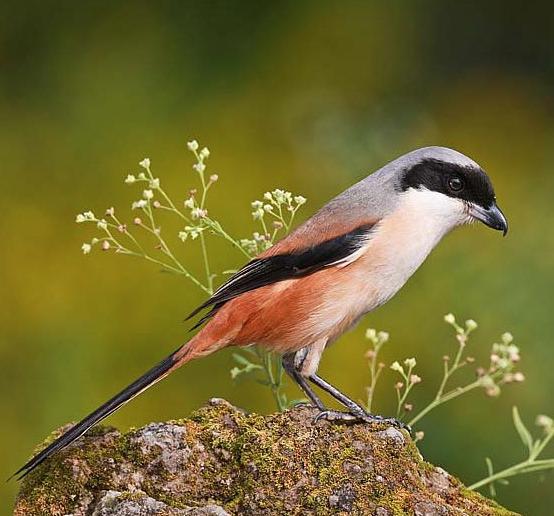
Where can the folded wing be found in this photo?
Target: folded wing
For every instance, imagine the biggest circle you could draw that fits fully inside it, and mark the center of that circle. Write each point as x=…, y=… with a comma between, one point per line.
x=271, y=268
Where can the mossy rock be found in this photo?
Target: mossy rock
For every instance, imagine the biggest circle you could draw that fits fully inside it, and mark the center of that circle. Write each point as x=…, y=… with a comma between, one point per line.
x=223, y=461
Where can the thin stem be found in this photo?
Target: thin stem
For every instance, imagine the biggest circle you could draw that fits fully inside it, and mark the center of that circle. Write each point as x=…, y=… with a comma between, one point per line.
x=543, y=444
x=375, y=373
x=209, y=277
x=443, y=399
x=167, y=251
x=216, y=227
x=526, y=466
x=266, y=360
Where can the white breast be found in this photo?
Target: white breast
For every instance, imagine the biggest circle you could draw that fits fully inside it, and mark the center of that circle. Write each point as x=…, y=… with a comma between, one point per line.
x=397, y=247
x=405, y=238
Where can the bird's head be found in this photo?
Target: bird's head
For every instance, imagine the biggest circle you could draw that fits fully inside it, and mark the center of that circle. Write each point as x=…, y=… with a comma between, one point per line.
x=451, y=185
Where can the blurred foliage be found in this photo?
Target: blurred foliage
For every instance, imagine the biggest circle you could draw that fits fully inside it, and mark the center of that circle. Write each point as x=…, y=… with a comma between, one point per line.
x=307, y=96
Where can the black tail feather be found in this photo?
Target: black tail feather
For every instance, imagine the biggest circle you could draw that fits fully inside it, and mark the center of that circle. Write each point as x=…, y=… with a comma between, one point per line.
x=146, y=380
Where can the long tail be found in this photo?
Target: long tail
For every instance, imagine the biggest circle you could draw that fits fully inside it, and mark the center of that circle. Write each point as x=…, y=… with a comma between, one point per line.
x=176, y=359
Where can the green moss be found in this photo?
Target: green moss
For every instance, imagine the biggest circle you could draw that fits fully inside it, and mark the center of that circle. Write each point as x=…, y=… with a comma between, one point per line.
x=249, y=464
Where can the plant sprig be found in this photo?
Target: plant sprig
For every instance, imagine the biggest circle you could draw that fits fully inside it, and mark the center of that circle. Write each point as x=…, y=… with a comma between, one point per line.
x=535, y=447
x=502, y=369
x=275, y=216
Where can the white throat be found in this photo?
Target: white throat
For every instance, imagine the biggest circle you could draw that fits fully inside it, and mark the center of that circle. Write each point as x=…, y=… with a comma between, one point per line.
x=405, y=238
x=431, y=214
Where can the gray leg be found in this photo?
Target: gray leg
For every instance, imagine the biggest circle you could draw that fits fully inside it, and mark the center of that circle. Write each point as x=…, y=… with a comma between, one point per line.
x=290, y=368
x=356, y=411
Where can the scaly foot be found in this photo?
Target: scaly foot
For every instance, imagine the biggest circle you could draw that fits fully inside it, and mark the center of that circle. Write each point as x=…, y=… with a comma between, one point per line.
x=348, y=417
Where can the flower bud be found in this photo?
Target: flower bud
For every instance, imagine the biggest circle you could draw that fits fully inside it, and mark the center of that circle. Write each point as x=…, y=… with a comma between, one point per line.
x=395, y=366
x=471, y=325
x=410, y=362
x=450, y=319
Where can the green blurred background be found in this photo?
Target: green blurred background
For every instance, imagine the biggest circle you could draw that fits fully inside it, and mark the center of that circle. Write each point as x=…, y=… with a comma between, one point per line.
x=308, y=96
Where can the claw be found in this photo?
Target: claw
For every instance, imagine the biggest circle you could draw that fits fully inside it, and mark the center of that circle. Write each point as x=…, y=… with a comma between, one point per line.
x=334, y=415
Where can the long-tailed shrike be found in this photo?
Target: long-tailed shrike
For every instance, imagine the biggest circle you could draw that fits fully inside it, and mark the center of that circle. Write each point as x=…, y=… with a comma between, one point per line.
x=352, y=256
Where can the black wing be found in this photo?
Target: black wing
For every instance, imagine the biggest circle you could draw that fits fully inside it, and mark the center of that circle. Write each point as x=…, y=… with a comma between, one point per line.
x=265, y=271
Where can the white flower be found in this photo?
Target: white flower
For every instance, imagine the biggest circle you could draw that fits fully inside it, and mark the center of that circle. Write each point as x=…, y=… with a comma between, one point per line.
x=371, y=334
x=415, y=379
x=299, y=199
x=141, y=203
x=257, y=204
x=198, y=213
x=190, y=231
x=519, y=377
x=268, y=207
x=205, y=152
x=471, y=325
x=383, y=337
x=192, y=145
x=419, y=436
x=450, y=319
x=86, y=248
x=102, y=224
x=145, y=163
x=486, y=381
x=513, y=353
x=545, y=422
x=268, y=196
x=189, y=203
x=148, y=194
x=154, y=183
x=199, y=167
x=279, y=195
x=214, y=178
x=142, y=176
x=85, y=216
x=395, y=366
x=410, y=362
x=507, y=338
x=493, y=391
x=105, y=245
x=258, y=214
x=130, y=179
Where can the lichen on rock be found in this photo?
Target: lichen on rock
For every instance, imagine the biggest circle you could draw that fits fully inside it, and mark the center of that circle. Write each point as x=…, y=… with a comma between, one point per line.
x=223, y=461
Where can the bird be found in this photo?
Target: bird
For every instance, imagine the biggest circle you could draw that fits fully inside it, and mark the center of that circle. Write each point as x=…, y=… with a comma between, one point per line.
x=353, y=255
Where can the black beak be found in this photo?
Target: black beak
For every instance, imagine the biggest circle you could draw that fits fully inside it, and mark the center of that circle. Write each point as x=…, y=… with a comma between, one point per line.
x=491, y=216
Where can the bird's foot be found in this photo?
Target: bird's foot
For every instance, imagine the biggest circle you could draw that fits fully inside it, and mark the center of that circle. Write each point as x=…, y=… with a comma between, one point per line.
x=371, y=418
x=336, y=415
x=360, y=417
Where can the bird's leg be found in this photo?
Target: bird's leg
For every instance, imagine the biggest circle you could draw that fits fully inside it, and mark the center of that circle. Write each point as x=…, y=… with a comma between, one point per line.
x=357, y=412
x=290, y=367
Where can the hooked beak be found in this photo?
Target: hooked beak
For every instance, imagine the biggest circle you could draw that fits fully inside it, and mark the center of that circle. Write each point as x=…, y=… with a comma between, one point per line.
x=492, y=217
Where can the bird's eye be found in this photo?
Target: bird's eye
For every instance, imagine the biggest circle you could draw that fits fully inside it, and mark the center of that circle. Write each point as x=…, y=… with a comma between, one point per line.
x=455, y=184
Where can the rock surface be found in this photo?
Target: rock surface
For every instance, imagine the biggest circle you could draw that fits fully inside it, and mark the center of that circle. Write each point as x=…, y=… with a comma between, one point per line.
x=222, y=462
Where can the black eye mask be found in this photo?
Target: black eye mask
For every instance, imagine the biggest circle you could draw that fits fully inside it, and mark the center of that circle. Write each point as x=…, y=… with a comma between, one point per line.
x=467, y=183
